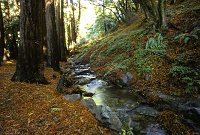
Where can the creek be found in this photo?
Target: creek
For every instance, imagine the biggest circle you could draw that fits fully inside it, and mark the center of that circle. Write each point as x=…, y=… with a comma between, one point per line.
x=116, y=107
x=123, y=109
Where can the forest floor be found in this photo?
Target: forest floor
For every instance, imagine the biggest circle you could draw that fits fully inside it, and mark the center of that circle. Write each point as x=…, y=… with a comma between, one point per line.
x=39, y=109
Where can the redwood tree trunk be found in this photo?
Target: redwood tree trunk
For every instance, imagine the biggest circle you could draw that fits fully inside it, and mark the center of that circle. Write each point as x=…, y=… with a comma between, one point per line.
x=52, y=42
x=30, y=66
x=62, y=34
x=57, y=20
x=2, y=41
x=59, y=17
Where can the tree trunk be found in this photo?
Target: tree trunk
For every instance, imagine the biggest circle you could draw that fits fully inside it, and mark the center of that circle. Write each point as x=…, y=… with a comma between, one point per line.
x=2, y=36
x=44, y=35
x=7, y=27
x=14, y=45
x=57, y=6
x=73, y=26
x=52, y=42
x=30, y=66
x=104, y=19
x=162, y=14
x=62, y=34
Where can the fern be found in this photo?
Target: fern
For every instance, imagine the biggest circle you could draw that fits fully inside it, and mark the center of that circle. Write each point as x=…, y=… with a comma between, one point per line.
x=185, y=74
x=154, y=46
x=187, y=37
x=155, y=42
x=142, y=63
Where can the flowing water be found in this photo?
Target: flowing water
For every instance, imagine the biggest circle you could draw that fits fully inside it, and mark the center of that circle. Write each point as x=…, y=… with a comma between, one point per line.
x=132, y=109
x=128, y=105
x=105, y=93
x=110, y=95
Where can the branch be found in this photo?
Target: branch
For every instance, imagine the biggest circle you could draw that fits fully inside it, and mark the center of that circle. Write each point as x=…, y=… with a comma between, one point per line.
x=101, y=5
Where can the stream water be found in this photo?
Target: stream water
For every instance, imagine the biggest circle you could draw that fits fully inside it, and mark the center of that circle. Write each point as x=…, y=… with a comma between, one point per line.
x=113, y=96
x=104, y=93
x=128, y=106
x=121, y=108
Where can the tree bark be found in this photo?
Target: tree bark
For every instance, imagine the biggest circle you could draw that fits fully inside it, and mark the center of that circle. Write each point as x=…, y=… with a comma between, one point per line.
x=14, y=46
x=52, y=39
x=30, y=66
x=62, y=34
x=57, y=6
x=2, y=36
x=162, y=14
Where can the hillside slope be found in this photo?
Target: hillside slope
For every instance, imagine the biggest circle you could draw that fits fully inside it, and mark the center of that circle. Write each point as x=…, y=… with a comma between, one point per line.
x=166, y=60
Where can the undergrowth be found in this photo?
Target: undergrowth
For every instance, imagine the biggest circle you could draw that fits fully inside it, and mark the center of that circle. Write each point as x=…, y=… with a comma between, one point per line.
x=143, y=56
x=186, y=72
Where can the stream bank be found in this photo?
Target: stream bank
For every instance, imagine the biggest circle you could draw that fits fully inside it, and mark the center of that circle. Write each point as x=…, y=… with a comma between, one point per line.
x=121, y=108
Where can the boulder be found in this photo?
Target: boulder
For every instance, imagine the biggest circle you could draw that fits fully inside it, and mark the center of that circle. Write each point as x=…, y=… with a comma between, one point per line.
x=73, y=97
x=127, y=77
x=154, y=129
x=60, y=85
x=88, y=94
x=124, y=80
x=83, y=81
x=192, y=117
x=146, y=110
x=82, y=72
x=123, y=114
x=90, y=104
x=136, y=126
x=109, y=118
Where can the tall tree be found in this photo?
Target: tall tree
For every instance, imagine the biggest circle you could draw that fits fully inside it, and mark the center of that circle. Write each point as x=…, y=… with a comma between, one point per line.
x=57, y=7
x=162, y=14
x=62, y=34
x=30, y=66
x=11, y=12
x=73, y=23
x=2, y=41
x=59, y=15
x=155, y=10
x=52, y=39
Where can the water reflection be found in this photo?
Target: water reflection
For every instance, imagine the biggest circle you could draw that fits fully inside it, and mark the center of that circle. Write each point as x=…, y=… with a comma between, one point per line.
x=110, y=95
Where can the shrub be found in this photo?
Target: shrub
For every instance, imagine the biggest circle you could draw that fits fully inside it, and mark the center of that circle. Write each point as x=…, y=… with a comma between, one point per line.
x=187, y=37
x=155, y=45
x=186, y=71
x=142, y=62
x=142, y=57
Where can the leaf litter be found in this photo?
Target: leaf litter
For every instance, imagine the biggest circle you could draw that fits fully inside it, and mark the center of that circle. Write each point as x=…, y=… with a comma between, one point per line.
x=38, y=109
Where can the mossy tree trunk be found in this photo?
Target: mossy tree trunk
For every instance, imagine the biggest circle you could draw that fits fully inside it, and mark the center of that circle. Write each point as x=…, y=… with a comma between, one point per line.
x=30, y=66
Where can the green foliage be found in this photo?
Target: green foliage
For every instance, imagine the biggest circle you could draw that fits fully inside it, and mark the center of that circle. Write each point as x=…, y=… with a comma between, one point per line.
x=155, y=42
x=127, y=132
x=120, y=44
x=142, y=62
x=55, y=109
x=142, y=57
x=98, y=28
x=155, y=45
x=187, y=37
x=185, y=73
x=121, y=61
